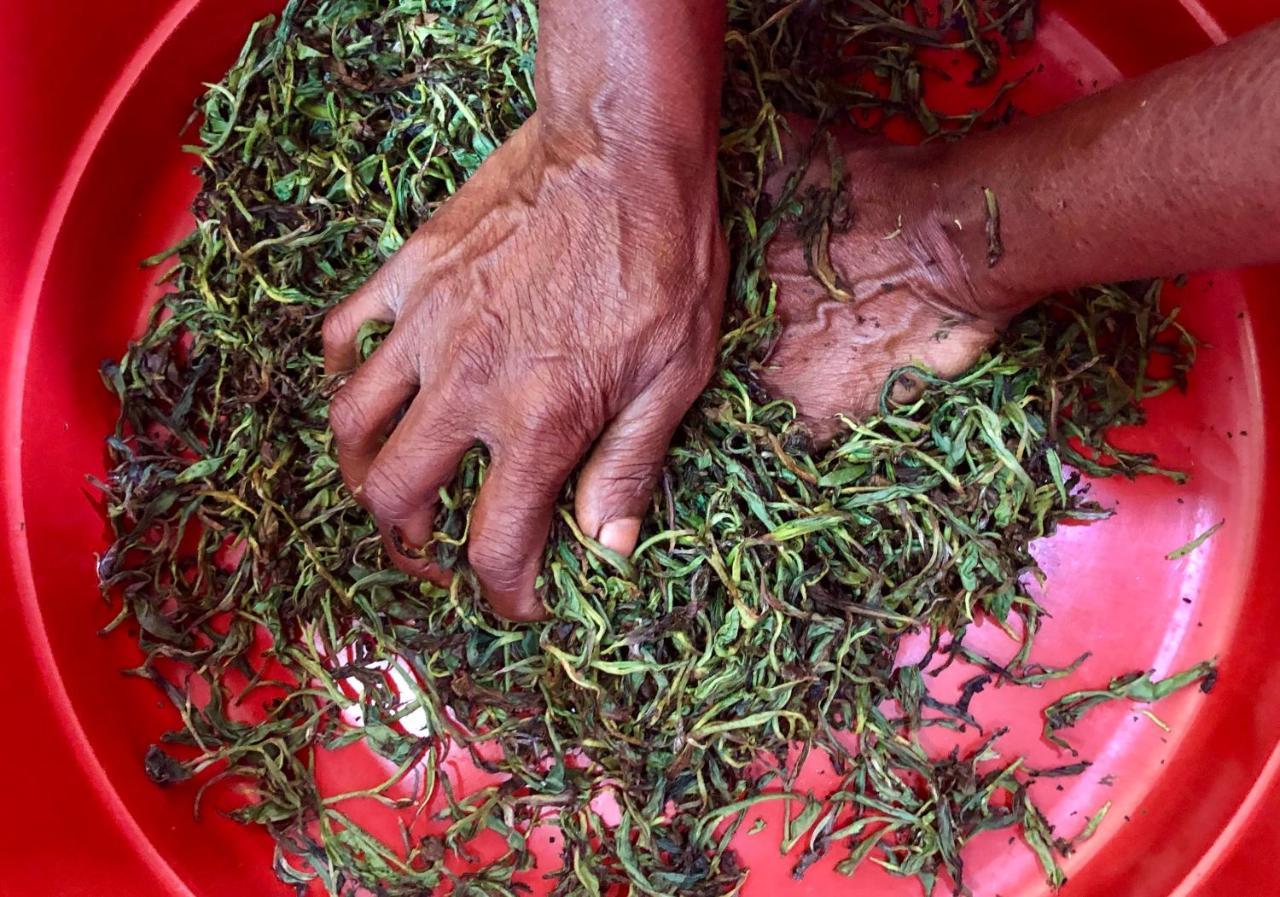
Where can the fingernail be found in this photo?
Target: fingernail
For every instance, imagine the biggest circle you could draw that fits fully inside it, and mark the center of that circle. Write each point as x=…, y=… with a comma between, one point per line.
x=620, y=535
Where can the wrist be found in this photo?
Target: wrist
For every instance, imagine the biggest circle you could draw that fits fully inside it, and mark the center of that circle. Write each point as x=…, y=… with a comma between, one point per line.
x=643, y=145
x=637, y=85
x=668, y=176
x=637, y=131
x=913, y=220
x=983, y=204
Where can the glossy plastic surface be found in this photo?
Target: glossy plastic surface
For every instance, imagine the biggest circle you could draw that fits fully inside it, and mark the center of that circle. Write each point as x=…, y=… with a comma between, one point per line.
x=92, y=178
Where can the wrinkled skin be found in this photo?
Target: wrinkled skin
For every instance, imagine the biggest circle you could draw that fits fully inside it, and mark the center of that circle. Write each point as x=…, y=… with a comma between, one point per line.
x=551, y=313
x=564, y=304
x=1136, y=181
x=912, y=300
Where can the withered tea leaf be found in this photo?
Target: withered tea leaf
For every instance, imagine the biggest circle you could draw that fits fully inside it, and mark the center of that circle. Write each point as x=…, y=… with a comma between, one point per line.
x=759, y=622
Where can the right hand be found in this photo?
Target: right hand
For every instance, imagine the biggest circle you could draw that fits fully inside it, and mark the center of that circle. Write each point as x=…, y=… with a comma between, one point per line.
x=565, y=303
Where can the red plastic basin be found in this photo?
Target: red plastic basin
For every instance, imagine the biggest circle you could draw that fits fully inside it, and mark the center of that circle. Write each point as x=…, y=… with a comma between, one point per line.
x=92, y=97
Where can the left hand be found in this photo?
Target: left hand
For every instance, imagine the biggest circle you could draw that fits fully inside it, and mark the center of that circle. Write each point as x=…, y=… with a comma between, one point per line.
x=906, y=294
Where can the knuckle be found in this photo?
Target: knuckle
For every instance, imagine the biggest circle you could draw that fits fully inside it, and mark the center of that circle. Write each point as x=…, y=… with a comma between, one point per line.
x=630, y=479
x=387, y=494
x=348, y=417
x=495, y=563
x=334, y=328
x=401, y=354
x=477, y=348
x=473, y=363
x=548, y=440
x=386, y=283
x=552, y=420
x=554, y=409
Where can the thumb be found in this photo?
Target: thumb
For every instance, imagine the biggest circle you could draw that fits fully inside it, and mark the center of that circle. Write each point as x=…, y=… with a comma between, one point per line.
x=617, y=482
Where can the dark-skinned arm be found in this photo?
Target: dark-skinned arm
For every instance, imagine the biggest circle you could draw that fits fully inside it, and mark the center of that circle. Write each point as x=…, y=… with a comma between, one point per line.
x=1173, y=172
x=563, y=306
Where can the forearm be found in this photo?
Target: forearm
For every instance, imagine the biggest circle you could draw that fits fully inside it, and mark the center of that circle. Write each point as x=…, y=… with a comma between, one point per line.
x=635, y=78
x=1176, y=171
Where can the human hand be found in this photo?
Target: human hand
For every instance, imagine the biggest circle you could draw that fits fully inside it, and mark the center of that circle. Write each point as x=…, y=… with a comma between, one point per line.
x=564, y=303
x=899, y=291
x=1133, y=182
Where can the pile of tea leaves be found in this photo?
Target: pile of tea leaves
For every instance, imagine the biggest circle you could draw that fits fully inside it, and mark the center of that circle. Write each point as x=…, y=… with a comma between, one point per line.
x=760, y=619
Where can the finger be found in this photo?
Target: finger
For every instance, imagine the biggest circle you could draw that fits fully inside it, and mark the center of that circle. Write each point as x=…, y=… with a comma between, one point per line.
x=512, y=517
x=617, y=483
x=402, y=486
x=375, y=301
x=363, y=412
